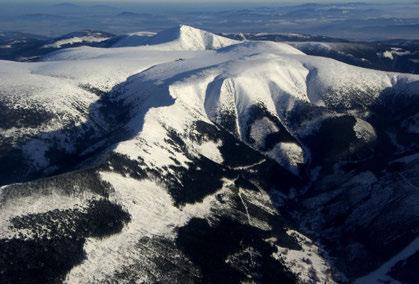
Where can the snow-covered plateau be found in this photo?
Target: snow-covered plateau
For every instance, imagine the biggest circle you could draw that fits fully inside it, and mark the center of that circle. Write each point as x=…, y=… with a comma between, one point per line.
x=188, y=157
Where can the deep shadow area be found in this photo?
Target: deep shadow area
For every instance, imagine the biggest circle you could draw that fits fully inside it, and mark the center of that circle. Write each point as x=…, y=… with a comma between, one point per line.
x=242, y=163
x=87, y=141
x=39, y=260
x=59, y=235
x=405, y=270
x=57, y=240
x=231, y=252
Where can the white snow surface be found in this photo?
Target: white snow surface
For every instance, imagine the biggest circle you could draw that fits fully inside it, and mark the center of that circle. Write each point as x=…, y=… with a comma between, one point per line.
x=307, y=263
x=177, y=77
x=390, y=54
x=198, y=74
x=260, y=129
x=134, y=39
x=180, y=38
x=364, y=131
x=76, y=39
x=37, y=203
x=153, y=214
x=289, y=155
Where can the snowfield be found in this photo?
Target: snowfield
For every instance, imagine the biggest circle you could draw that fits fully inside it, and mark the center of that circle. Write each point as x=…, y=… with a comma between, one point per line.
x=73, y=40
x=189, y=138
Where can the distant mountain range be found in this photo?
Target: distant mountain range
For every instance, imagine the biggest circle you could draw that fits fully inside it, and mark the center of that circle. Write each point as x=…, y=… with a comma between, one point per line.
x=355, y=21
x=391, y=55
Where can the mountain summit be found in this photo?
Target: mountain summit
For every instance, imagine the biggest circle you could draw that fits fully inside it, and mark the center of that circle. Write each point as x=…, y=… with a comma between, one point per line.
x=182, y=37
x=194, y=158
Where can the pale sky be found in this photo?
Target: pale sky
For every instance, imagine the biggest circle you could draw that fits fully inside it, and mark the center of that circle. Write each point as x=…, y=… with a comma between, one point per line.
x=201, y=1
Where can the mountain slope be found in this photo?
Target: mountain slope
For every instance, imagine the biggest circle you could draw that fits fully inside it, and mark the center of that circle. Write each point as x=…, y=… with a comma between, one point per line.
x=251, y=162
x=180, y=38
x=77, y=39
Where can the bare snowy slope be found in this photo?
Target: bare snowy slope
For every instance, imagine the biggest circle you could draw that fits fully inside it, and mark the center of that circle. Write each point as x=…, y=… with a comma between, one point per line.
x=74, y=39
x=190, y=157
x=182, y=37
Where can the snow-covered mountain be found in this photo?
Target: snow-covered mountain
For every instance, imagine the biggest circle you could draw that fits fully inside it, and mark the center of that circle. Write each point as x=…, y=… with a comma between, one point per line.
x=189, y=157
x=179, y=38
x=77, y=39
x=391, y=55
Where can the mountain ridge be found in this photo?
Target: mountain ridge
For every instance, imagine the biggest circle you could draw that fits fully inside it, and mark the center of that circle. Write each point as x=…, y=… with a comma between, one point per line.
x=182, y=37
x=153, y=153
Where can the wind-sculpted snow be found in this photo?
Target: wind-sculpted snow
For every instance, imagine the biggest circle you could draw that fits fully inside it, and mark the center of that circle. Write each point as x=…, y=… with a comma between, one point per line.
x=180, y=38
x=230, y=85
x=194, y=158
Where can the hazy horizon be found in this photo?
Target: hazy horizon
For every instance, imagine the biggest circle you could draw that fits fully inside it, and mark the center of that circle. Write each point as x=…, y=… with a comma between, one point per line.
x=206, y=2
x=362, y=20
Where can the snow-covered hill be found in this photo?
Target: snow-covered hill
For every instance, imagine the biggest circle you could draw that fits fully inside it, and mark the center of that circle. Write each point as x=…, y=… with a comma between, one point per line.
x=76, y=39
x=179, y=38
x=392, y=55
x=133, y=39
x=190, y=157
